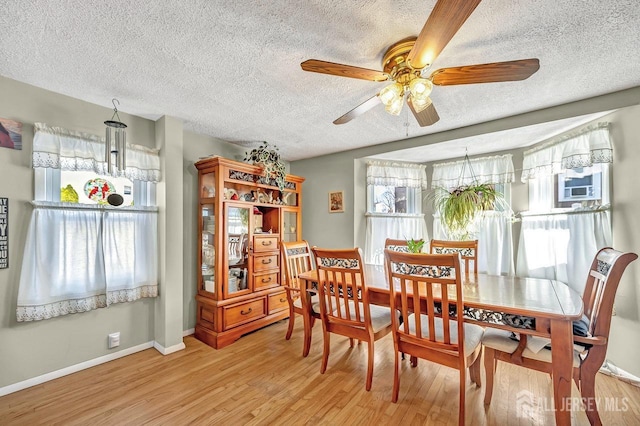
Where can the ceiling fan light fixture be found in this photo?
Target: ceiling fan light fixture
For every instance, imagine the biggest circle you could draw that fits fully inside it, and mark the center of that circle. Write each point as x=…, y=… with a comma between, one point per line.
x=391, y=94
x=420, y=88
x=420, y=104
x=395, y=107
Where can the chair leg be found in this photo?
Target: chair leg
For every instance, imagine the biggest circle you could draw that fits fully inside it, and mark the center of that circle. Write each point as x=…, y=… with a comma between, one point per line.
x=370, y=366
x=292, y=320
x=474, y=370
x=351, y=344
x=490, y=364
x=307, y=320
x=414, y=361
x=463, y=388
x=325, y=353
x=588, y=392
x=396, y=378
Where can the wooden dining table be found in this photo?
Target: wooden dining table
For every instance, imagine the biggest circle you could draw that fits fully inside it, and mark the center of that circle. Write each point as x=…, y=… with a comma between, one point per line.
x=532, y=306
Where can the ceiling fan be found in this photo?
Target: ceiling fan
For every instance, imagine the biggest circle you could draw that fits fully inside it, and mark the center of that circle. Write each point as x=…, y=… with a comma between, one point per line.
x=406, y=62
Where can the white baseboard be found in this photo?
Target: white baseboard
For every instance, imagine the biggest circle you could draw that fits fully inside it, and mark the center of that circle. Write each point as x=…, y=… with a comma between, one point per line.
x=188, y=332
x=73, y=369
x=171, y=349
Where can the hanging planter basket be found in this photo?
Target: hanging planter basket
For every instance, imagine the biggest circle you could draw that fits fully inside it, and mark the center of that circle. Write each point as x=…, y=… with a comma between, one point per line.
x=267, y=157
x=459, y=207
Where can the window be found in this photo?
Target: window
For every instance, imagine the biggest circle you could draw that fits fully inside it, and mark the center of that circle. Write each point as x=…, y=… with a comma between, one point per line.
x=393, y=199
x=568, y=219
x=81, y=253
x=493, y=229
x=394, y=205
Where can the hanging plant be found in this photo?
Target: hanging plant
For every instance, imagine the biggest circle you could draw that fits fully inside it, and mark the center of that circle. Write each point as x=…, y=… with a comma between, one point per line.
x=267, y=157
x=459, y=207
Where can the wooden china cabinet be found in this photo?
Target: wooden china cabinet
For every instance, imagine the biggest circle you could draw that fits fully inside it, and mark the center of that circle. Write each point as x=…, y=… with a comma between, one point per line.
x=243, y=216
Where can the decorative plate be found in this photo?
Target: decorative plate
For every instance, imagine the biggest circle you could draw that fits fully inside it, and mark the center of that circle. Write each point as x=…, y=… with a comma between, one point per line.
x=98, y=189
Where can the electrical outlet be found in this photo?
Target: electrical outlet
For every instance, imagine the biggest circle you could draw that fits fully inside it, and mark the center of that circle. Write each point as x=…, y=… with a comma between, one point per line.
x=114, y=340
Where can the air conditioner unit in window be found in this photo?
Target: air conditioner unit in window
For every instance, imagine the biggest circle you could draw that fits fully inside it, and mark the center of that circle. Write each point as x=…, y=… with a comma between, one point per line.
x=580, y=185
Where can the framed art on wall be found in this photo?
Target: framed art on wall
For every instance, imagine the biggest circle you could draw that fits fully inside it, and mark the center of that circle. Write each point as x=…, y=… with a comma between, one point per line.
x=336, y=202
x=10, y=134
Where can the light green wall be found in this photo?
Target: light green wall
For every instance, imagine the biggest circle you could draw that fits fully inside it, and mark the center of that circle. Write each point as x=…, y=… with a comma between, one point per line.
x=347, y=169
x=31, y=349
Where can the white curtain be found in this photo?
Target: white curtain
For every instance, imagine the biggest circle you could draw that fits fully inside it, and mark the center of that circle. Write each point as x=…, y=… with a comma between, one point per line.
x=591, y=145
x=379, y=228
x=494, y=232
x=562, y=246
x=396, y=174
x=495, y=169
x=58, y=148
x=81, y=258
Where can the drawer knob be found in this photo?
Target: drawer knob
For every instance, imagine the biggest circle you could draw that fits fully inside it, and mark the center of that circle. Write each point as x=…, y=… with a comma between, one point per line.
x=282, y=300
x=266, y=280
x=247, y=312
x=267, y=243
x=267, y=261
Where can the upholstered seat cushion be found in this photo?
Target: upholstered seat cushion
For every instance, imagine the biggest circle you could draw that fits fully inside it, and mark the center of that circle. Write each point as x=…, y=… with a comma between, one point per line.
x=472, y=333
x=500, y=340
x=315, y=303
x=380, y=315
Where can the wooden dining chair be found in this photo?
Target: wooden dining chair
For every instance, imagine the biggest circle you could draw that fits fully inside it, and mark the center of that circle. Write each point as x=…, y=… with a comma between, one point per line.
x=468, y=252
x=397, y=245
x=589, y=350
x=297, y=258
x=344, y=303
x=436, y=333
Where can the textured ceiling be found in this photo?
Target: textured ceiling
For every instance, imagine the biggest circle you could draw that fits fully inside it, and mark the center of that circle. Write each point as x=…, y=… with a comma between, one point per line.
x=232, y=69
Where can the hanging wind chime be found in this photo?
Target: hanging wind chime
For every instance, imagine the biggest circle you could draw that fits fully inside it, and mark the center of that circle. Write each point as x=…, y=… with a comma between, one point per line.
x=116, y=143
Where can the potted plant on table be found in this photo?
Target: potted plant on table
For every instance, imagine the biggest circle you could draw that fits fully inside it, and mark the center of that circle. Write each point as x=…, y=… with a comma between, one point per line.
x=267, y=157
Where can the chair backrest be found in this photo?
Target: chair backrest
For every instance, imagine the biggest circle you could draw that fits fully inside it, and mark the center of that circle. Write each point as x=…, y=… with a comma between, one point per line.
x=600, y=290
x=297, y=258
x=397, y=245
x=342, y=288
x=433, y=282
x=468, y=251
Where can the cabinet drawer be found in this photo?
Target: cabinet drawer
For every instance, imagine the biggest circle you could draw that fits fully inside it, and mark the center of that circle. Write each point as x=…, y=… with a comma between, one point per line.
x=278, y=302
x=265, y=262
x=262, y=281
x=262, y=243
x=244, y=312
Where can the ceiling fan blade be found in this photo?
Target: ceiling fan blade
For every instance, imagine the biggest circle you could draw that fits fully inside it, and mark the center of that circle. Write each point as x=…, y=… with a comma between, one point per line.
x=486, y=73
x=427, y=116
x=324, y=67
x=359, y=110
x=445, y=20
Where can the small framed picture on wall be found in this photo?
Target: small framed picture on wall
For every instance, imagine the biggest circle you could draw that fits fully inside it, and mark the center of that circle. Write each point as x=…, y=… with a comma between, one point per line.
x=336, y=202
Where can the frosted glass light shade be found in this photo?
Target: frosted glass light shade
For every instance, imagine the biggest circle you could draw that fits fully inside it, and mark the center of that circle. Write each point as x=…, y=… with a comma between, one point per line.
x=391, y=94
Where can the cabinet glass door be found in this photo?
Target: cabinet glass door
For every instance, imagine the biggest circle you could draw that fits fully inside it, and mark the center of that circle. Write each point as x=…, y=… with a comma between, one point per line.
x=237, y=248
x=290, y=225
x=208, y=248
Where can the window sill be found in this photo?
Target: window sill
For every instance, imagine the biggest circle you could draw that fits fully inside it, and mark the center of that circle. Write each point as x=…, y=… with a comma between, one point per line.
x=96, y=207
x=408, y=215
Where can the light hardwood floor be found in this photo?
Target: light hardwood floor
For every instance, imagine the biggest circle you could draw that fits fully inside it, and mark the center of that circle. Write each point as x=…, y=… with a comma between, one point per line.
x=263, y=379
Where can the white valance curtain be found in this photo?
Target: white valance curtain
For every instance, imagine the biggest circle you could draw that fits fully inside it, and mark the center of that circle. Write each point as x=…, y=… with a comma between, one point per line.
x=58, y=148
x=81, y=258
x=387, y=173
x=494, y=169
x=589, y=146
